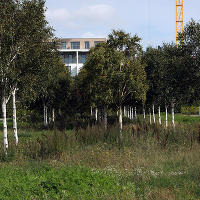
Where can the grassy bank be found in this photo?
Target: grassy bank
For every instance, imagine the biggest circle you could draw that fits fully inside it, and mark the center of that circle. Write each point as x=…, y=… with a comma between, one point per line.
x=150, y=162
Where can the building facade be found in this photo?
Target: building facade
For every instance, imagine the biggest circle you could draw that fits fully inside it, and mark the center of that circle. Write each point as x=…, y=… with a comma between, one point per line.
x=74, y=51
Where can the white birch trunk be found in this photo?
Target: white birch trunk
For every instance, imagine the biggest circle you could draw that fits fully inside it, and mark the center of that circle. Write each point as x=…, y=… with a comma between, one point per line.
x=124, y=111
x=91, y=112
x=173, y=121
x=154, y=118
x=105, y=119
x=128, y=111
x=135, y=112
x=45, y=115
x=150, y=116
x=46, y=119
x=15, y=116
x=96, y=114
x=159, y=116
x=166, y=120
x=131, y=116
x=131, y=112
x=120, y=120
x=5, y=131
x=53, y=115
x=199, y=110
x=144, y=113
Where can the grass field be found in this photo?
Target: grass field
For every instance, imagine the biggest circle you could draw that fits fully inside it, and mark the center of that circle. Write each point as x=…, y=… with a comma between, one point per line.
x=150, y=163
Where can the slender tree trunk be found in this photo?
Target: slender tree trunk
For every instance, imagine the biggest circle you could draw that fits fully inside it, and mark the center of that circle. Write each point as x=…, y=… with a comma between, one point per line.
x=105, y=119
x=128, y=111
x=15, y=116
x=120, y=120
x=5, y=131
x=45, y=115
x=131, y=112
x=154, y=118
x=135, y=112
x=199, y=110
x=173, y=121
x=166, y=121
x=53, y=115
x=96, y=114
x=159, y=116
x=91, y=112
x=150, y=115
x=46, y=119
x=144, y=113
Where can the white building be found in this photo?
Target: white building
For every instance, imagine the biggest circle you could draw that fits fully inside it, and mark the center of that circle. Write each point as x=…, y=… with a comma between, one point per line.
x=75, y=50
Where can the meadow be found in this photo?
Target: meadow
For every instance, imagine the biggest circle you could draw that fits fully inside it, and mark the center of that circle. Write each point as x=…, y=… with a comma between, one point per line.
x=149, y=162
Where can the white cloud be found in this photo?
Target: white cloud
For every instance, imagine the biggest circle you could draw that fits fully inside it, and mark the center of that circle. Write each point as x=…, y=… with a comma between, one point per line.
x=58, y=15
x=91, y=35
x=95, y=13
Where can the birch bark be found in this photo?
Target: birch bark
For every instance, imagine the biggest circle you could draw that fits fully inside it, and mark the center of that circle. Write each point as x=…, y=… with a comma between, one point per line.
x=154, y=118
x=135, y=112
x=15, y=116
x=120, y=120
x=150, y=116
x=132, y=113
x=5, y=131
x=105, y=119
x=144, y=113
x=53, y=115
x=173, y=121
x=96, y=114
x=199, y=110
x=91, y=112
x=45, y=115
x=159, y=116
x=166, y=120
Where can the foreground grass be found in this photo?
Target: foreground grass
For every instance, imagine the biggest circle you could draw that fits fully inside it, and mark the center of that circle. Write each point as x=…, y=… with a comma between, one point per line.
x=46, y=182
x=97, y=172
x=151, y=163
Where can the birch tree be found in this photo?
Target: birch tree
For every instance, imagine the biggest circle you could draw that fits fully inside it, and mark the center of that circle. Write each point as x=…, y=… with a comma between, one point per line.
x=22, y=27
x=128, y=77
x=116, y=72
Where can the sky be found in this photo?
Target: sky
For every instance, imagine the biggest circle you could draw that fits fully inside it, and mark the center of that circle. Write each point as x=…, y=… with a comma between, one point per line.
x=154, y=21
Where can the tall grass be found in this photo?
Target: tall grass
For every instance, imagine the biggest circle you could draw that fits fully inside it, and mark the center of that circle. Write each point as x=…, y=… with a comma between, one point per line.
x=151, y=162
x=140, y=135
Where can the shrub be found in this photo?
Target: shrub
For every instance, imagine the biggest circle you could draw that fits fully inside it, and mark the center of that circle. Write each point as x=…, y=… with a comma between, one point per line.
x=190, y=110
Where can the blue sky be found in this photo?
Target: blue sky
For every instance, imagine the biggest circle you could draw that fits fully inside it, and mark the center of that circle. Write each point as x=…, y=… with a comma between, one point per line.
x=152, y=20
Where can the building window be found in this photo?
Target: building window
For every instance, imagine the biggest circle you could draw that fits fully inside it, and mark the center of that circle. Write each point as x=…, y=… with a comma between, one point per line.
x=83, y=58
x=70, y=58
x=69, y=69
x=75, y=45
x=63, y=45
x=97, y=42
x=64, y=58
x=87, y=45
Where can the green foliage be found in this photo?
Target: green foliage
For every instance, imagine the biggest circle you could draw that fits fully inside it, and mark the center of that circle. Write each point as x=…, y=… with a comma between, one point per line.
x=46, y=182
x=190, y=110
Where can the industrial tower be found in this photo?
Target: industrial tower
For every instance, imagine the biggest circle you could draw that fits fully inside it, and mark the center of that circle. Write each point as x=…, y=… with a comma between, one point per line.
x=179, y=18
